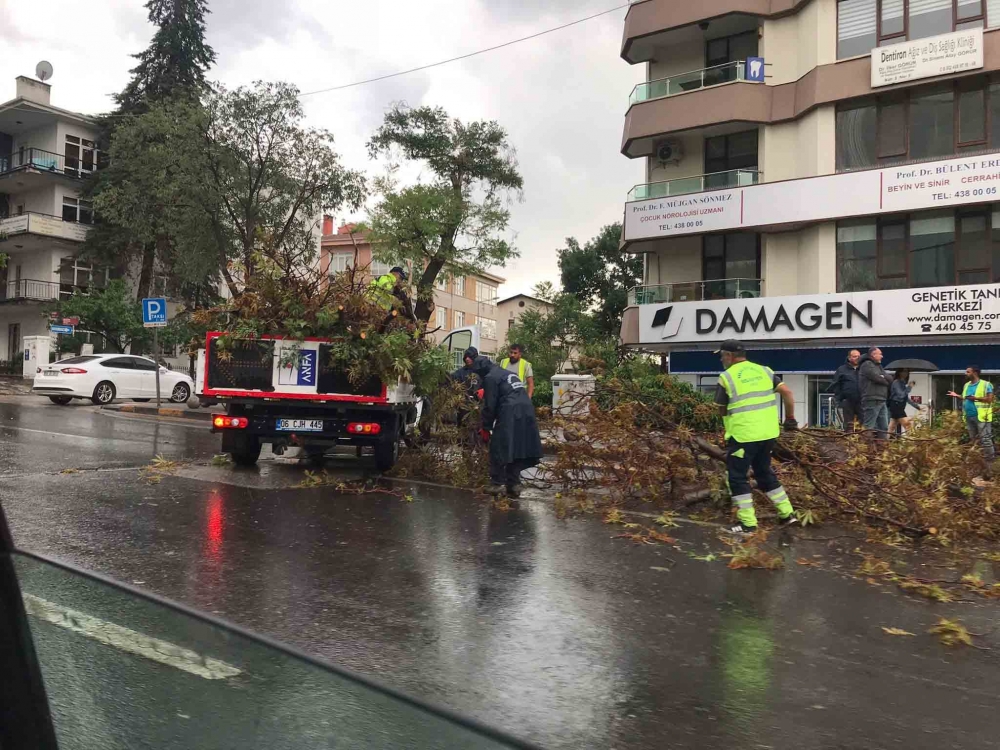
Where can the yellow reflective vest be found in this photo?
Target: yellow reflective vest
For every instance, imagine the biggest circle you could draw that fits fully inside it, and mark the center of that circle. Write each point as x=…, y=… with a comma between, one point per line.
x=984, y=411
x=752, y=412
x=382, y=290
x=522, y=366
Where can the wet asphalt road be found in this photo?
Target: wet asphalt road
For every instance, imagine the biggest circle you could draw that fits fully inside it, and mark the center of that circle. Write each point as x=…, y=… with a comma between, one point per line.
x=549, y=629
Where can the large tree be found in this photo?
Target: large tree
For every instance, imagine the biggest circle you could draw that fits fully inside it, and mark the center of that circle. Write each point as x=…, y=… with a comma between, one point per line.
x=600, y=275
x=172, y=69
x=177, y=59
x=452, y=222
x=111, y=312
x=234, y=179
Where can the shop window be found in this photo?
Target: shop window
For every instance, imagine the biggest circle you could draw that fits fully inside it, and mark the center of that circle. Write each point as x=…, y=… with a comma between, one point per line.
x=932, y=256
x=937, y=248
x=857, y=253
x=948, y=121
x=856, y=136
x=932, y=124
x=865, y=24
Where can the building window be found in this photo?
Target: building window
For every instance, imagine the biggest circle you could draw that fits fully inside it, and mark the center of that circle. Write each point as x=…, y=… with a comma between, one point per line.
x=486, y=293
x=340, y=262
x=725, y=153
x=942, y=122
x=459, y=318
x=442, y=317
x=865, y=24
x=77, y=211
x=930, y=248
x=460, y=287
x=75, y=274
x=378, y=268
x=488, y=327
x=80, y=156
x=728, y=49
x=441, y=283
x=731, y=256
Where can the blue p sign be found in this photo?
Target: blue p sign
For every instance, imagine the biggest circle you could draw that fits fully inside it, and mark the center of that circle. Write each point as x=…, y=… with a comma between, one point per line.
x=154, y=311
x=755, y=69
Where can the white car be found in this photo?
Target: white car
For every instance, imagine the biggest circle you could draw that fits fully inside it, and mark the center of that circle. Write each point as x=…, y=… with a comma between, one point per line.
x=104, y=377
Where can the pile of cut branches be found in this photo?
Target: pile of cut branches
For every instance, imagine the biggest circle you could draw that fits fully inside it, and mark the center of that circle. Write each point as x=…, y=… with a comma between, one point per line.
x=636, y=445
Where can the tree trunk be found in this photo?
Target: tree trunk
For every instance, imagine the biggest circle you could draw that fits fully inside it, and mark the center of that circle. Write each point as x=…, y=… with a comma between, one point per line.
x=425, y=290
x=146, y=270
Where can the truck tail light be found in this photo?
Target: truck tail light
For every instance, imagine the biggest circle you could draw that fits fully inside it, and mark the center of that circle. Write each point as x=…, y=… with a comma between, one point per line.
x=73, y=371
x=364, y=428
x=223, y=422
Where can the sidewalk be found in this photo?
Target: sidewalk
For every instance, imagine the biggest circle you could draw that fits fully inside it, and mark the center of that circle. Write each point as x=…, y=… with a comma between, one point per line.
x=174, y=411
x=14, y=386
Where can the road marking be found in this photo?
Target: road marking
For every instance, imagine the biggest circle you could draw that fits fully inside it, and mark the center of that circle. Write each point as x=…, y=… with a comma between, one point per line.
x=128, y=640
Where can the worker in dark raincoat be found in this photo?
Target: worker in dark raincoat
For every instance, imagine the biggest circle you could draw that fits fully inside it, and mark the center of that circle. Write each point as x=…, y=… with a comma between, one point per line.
x=509, y=419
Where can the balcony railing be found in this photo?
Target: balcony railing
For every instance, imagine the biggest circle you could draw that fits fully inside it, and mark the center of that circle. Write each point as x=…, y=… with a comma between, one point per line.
x=690, y=81
x=33, y=290
x=39, y=160
x=696, y=291
x=699, y=183
x=43, y=224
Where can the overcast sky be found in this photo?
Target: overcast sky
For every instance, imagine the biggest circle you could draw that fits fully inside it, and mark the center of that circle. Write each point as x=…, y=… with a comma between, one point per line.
x=562, y=97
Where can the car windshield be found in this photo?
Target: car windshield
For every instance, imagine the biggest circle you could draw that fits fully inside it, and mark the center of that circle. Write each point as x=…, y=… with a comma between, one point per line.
x=75, y=360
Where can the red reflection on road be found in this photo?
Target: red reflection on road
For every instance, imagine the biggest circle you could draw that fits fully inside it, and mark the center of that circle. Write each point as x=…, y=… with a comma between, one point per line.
x=213, y=527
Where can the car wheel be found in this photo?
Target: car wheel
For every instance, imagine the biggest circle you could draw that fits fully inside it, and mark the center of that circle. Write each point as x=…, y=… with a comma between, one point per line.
x=180, y=394
x=61, y=400
x=104, y=393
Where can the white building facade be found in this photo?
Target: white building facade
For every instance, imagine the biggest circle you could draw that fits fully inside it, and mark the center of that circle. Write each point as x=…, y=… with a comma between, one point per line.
x=822, y=175
x=46, y=153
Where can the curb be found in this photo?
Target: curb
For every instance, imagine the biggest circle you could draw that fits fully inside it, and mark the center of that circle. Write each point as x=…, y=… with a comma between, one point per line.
x=173, y=412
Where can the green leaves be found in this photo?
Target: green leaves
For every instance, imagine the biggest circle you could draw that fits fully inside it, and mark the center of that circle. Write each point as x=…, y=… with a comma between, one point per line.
x=111, y=312
x=452, y=223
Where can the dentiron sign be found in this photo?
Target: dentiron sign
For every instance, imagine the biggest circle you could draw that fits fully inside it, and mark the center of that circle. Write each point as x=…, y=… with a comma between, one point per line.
x=939, y=311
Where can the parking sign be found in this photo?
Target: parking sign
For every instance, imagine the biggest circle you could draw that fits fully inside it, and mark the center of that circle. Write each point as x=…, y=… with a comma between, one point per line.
x=154, y=312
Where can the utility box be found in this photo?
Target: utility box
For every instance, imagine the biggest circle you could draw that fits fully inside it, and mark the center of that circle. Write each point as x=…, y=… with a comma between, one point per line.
x=36, y=354
x=571, y=393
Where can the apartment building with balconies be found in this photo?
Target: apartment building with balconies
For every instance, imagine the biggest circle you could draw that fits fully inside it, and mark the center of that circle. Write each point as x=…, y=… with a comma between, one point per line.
x=459, y=301
x=46, y=153
x=821, y=175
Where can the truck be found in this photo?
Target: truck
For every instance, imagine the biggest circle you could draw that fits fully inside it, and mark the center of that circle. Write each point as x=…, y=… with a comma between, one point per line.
x=284, y=393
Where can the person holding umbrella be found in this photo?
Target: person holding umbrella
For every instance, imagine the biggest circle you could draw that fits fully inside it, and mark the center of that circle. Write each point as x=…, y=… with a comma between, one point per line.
x=899, y=397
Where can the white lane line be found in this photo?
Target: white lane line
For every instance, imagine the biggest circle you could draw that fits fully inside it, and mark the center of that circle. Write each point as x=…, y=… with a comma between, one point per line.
x=65, y=434
x=129, y=640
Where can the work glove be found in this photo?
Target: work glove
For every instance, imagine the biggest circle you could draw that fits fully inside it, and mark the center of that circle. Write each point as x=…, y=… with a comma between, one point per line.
x=790, y=425
x=484, y=434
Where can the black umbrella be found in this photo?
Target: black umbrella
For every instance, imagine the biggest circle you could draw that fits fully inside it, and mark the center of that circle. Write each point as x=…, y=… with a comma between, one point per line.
x=913, y=365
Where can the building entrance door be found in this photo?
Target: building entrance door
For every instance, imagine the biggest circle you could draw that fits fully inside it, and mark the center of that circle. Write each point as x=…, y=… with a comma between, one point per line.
x=14, y=343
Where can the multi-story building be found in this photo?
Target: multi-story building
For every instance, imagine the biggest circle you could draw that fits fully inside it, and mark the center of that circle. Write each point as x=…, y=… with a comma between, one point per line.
x=45, y=155
x=821, y=175
x=459, y=301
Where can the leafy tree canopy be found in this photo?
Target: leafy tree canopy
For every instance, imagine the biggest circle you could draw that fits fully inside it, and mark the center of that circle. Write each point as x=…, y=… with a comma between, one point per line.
x=111, y=312
x=600, y=275
x=453, y=222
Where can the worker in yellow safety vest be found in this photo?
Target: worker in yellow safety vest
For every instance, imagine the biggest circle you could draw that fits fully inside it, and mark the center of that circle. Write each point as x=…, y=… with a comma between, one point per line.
x=749, y=409
x=977, y=398
x=387, y=287
x=517, y=364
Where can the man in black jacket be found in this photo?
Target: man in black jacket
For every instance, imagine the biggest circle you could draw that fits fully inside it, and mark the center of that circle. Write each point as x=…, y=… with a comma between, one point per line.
x=874, y=384
x=847, y=392
x=515, y=443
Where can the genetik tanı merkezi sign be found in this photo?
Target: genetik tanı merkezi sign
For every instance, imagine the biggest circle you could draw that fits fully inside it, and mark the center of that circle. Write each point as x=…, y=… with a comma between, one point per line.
x=938, y=311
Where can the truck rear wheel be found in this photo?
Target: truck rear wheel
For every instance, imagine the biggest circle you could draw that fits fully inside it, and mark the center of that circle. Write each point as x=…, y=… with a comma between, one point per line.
x=245, y=450
x=386, y=454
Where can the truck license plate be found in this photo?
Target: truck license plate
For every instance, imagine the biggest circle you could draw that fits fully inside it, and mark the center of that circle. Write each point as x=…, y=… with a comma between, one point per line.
x=300, y=425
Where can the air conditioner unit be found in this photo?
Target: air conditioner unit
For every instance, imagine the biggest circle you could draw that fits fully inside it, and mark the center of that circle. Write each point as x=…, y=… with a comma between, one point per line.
x=669, y=152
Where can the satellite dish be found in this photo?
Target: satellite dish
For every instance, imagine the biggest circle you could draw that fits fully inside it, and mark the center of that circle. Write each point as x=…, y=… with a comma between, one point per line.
x=43, y=70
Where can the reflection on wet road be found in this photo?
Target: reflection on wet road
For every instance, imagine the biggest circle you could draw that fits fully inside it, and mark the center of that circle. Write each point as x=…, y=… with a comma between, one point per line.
x=549, y=629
